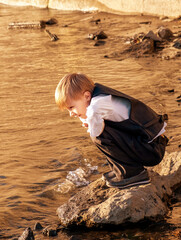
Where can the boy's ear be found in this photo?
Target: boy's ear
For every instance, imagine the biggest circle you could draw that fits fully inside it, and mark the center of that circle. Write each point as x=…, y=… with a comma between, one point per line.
x=87, y=95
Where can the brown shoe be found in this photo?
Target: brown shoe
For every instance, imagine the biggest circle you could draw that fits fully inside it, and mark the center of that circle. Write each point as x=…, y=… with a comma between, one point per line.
x=141, y=178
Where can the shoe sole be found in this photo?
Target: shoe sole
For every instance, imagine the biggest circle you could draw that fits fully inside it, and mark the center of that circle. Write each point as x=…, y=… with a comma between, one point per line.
x=106, y=179
x=129, y=185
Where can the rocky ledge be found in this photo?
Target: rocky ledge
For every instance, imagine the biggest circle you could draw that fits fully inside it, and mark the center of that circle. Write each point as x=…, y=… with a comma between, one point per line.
x=96, y=205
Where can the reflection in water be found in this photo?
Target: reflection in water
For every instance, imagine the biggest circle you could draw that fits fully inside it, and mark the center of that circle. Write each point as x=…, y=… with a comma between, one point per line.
x=41, y=148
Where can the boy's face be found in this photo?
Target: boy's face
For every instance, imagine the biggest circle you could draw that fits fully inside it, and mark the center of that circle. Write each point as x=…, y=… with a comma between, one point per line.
x=78, y=107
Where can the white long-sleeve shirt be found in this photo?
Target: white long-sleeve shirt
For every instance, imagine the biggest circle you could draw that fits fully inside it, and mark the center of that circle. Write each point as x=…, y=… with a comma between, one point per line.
x=107, y=107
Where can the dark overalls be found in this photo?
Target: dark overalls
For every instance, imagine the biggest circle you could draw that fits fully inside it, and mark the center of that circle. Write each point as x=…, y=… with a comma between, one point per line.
x=125, y=143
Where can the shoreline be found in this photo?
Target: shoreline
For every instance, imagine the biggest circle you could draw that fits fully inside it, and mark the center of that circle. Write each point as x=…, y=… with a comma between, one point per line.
x=169, y=8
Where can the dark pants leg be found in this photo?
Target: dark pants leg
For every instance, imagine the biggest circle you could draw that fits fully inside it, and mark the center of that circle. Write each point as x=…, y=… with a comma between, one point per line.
x=128, y=154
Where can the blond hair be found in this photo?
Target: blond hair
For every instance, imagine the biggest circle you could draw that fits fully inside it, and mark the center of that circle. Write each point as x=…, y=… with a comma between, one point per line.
x=71, y=86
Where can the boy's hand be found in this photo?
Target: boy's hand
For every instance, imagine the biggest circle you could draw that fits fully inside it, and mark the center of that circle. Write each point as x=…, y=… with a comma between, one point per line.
x=85, y=125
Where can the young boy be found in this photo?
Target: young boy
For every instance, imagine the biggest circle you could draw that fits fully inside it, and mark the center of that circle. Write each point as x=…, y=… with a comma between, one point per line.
x=126, y=130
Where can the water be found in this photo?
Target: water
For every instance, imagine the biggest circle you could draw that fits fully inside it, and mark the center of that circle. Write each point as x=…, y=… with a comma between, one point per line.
x=45, y=156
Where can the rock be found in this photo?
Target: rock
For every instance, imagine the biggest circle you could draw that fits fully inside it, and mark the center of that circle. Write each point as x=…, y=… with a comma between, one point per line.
x=170, y=53
x=163, y=18
x=96, y=21
x=147, y=22
x=96, y=205
x=27, y=235
x=51, y=21
x=142, y=44
x=165, y=33
x=101, y=35
x=177, y=44
x=153, y=36
x=170, y=169
x=48, y=231
x=97, y=36
x=139, y=49
x=171, y=90
x=38, y=226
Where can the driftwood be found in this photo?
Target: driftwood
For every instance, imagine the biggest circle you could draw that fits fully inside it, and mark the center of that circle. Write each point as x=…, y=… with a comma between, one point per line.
x=35, y=25
x=53, y=37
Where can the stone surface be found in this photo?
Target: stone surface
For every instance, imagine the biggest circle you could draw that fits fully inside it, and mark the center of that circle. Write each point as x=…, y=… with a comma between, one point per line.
x=170, y=53
x=97, y=205
x=50, y=232
x=27, y=235
x=38, y=226
x=165, y=33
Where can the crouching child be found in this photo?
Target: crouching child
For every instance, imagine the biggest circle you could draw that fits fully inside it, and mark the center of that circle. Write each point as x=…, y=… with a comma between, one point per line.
x=127, y=131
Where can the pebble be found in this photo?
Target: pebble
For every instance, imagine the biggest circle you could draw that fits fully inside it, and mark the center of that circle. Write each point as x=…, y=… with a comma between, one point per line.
x=171, y=90
x=38, y=226
x=177, y=44
x=165, y=33
x=148, y=22
x=49, y=232
x=96, y=21
x=97, y=36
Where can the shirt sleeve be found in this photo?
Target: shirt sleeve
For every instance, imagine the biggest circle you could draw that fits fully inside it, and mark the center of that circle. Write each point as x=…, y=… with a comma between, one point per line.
x=96, y=112
x=105, y=107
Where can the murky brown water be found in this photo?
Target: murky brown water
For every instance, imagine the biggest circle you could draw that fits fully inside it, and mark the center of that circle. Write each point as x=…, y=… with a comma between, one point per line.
x=39, y=144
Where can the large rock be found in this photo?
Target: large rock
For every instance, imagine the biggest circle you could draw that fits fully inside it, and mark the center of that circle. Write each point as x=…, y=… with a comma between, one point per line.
x=98, y=205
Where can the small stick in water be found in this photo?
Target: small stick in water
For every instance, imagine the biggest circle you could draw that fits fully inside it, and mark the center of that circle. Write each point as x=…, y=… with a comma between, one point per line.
x=53, y=37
